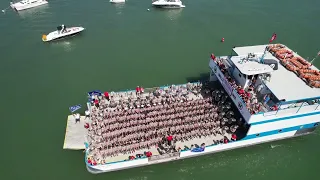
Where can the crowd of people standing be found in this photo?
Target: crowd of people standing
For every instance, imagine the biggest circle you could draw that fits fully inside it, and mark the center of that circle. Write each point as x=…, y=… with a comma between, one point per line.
x=123, y=123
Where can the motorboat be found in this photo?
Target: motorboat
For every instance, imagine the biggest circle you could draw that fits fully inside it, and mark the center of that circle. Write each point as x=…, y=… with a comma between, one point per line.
x=27, y=4
x=170, y=4
x=117, y=1
x=62, y=32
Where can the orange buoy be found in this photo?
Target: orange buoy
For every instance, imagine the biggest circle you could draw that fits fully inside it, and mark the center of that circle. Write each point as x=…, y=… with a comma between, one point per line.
x=222, y=40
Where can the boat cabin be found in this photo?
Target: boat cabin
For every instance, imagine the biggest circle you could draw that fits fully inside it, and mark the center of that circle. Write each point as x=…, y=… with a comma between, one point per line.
x=260, y=86
x=247, y=69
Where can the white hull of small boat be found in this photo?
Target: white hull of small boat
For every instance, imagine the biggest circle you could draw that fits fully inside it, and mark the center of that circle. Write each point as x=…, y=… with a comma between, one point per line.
x=117, y=1
x=168, y=4
x=27, y=4
x=55, y=35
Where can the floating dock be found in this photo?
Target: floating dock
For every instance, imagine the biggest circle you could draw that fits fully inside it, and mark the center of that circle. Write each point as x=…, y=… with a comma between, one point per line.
x=75, y=136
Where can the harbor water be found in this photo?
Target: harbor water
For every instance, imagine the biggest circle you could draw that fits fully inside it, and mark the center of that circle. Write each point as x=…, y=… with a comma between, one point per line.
x=124, y=46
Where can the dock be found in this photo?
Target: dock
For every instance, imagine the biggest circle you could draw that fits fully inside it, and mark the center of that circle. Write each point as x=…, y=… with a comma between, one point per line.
x=75, y=136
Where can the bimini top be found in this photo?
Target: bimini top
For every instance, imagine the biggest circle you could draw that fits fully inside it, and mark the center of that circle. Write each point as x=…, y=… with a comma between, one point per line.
x=283, y=83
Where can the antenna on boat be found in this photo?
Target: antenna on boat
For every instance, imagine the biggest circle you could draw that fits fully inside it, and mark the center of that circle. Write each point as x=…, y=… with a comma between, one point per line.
x=315, y=57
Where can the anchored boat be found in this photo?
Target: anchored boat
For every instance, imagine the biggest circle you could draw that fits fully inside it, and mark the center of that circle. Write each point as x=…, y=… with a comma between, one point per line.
x=267, y=93
x=62, y=32
x=168, y=4
x=117, y=1
x=27, y=4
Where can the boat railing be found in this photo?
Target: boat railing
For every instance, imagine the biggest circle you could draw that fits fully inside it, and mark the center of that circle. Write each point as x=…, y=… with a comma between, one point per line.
x=301, y=108
x=231, y=91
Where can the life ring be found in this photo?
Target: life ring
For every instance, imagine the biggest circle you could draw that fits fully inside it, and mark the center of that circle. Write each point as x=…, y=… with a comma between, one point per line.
x=303, y=61
x=275, y=47
x=315, y=84
x=291, y=67
x=298, y=64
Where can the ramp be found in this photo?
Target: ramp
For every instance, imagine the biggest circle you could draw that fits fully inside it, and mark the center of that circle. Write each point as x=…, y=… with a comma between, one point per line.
x=75, y=133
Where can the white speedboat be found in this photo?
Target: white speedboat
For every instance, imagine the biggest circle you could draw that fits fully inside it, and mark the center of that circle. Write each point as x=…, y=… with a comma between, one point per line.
x=117, y=1
x=169, y=4
x=61, y=32
x=27, y=4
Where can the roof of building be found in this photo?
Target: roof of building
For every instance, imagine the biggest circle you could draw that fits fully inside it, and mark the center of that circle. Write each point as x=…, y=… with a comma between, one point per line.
x=283, y=84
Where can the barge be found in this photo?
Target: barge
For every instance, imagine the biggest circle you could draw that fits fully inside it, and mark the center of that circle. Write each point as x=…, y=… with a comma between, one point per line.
x=267, y=93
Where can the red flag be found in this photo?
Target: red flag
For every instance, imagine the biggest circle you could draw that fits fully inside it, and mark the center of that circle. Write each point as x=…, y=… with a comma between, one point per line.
x=274, y=36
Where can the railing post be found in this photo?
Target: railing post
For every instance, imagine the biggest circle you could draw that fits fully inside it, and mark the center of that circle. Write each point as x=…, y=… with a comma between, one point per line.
x=300, y=107
x=278, y=108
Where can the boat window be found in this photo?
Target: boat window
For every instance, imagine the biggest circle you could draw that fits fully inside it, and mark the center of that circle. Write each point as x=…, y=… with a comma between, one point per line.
x=280, y=131
x=258, y=135
x=239, y=74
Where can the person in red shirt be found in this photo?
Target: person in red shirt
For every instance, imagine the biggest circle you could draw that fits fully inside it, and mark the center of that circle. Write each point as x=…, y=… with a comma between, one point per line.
x=86, y=126
x=96, y=103
x=94, y=163
x=274, y=108
x=233, y=137
x=138, y=89
x=225, y=140
x=89, y=161
x=106, y=95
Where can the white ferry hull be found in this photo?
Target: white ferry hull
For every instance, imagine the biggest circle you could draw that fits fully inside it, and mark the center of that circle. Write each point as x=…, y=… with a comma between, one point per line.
x=188, y=154
x=55, y=35
x=19, y=7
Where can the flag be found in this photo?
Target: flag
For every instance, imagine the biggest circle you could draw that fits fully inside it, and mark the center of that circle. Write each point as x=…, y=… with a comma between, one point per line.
x=274, y=36
x=75, y=108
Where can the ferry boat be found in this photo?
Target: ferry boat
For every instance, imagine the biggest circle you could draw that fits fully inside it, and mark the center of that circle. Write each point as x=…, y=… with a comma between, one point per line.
x=274, y=91
x=168, y=4
x=27, y=4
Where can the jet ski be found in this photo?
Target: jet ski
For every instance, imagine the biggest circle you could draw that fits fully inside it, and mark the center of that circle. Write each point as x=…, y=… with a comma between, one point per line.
x=62, y=32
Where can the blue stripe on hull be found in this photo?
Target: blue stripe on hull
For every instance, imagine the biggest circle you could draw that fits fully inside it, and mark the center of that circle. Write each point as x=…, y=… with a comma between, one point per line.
x=268, y=133
x=286, y=118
